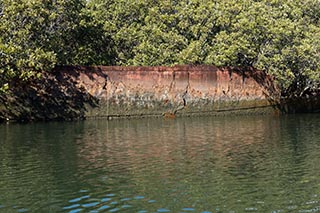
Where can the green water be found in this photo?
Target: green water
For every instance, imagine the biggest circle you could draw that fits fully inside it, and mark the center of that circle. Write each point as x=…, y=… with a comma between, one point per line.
x=205, y=164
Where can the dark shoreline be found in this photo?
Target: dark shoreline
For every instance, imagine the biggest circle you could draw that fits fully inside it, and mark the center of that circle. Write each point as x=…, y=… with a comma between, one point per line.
x=76, y=93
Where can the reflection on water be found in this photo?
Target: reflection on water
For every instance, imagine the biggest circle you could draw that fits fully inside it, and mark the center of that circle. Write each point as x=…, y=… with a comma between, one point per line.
x=205, y=164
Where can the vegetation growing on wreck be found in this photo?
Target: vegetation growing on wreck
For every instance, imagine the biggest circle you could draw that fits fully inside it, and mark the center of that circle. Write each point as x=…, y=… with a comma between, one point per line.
x=280, y=37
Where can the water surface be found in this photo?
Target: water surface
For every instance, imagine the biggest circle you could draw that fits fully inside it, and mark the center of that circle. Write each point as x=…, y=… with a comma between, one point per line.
x=205, y=164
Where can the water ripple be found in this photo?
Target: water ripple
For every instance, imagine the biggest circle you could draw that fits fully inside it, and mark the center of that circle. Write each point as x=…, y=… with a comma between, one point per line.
x=207, y=164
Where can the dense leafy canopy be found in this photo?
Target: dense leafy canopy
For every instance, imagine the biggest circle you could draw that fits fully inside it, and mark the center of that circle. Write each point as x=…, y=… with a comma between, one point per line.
x=280, y=37
x=35, y=35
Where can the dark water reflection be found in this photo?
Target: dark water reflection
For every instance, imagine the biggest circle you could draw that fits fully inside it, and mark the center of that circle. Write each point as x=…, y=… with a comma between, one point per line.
x=205, y=164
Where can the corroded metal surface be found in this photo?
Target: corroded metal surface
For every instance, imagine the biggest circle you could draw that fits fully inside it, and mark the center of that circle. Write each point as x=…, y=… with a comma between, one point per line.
x=178, y=90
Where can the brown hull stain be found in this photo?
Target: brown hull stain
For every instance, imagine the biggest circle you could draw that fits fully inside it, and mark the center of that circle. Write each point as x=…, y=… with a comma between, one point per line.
x=72, y=92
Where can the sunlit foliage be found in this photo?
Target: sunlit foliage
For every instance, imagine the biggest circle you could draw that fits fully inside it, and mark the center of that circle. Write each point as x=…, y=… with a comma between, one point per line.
x=280, y=37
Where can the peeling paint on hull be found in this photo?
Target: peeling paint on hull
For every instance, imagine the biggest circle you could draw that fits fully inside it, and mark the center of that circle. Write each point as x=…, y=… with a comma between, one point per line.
x=76, y=92
x=179, y=90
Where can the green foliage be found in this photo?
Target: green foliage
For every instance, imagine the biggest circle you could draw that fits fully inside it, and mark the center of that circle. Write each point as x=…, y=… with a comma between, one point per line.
x=37, y=35
x=20, y=56
x=280, y=37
